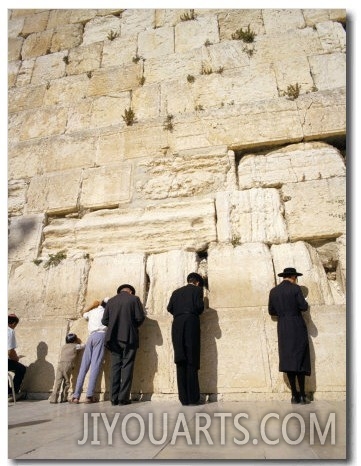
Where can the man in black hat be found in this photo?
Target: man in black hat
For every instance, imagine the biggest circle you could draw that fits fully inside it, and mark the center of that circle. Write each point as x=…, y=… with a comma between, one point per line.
x=186, y=304
x=286, y=301
x=123, y=314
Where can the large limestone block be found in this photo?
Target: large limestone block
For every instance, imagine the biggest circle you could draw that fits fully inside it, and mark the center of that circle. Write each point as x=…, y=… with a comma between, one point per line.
x=36, y=44
x=193, y=34
x=332, y=36
x=230, y=21
x=156, y=228
x=49, y=67
x=167, y=271
x=54, y=193
x=144, y=140
x=24, y=160
x=84, y=59
x=306, y=260
x=314, y=16
x=25, y=72
x=154, y=371
x=26, y=287
x=14, y=48
x=67, y=37
x=40, y=341
x=82, y=15
x=13, y=69
x=119, y=52
x=188, y=173
x=146, y=102
x=278, y=21
x=16, y=197
x=15, y=27
x=293, y=163
x=108, y=272
x=315, y=209
x=66, y=152
x=291, y=71
x=331, y=105
x=25, y=237
x=59, y=18
x=229, y=55
x=250, y=216
x=36, y=22
x=328, y=71
x=112, y=82
x=327, y=335
x=234, y=351
x=283, y=45
x=67, y=90
x=109, y=148
x=156, y=42
x=25, y=98
x=106, y=186
x=65, y=288
x=98, y=28
x=136, y=21
x=239, y=276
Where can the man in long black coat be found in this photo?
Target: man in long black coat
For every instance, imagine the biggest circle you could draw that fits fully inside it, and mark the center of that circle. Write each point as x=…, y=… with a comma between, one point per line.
x=286, y=301
x=123, y=314
x=186, y=304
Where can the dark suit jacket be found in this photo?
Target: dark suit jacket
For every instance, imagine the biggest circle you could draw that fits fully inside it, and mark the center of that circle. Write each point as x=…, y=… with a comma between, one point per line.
x=186, y=304
x=123, y=314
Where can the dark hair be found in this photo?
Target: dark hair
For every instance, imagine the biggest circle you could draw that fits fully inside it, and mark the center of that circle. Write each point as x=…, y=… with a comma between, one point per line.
x=71, y=338
x=13, y=319
x=194, y=278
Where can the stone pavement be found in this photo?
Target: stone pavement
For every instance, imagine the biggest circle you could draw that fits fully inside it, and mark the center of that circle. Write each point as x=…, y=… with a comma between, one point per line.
x=165, y=430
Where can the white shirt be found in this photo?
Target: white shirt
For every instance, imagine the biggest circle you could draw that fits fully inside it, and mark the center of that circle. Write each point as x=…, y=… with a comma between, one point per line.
x=11, y=339
x=94, y=318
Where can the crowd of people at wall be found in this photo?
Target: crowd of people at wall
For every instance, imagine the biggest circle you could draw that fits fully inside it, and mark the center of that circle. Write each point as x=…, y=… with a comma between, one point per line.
x=113, y=324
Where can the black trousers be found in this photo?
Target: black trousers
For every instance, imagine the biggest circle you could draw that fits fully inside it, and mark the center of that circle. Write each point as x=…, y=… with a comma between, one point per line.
x=19, y=370
x=188, y=384
x=121, y=375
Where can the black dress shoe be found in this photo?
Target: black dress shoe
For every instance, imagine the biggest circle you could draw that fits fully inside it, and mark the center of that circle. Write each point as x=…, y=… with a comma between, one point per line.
x=304, y=400
x=196, y=404
x=114, y=403
x=124, y=402
x=295, y=399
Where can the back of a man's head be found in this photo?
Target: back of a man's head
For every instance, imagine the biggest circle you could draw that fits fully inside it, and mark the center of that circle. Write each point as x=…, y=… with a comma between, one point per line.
x=195, y=279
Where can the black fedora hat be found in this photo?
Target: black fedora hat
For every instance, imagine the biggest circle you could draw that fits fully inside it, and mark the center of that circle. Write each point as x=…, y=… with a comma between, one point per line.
x=290, y=272
x=130, y=287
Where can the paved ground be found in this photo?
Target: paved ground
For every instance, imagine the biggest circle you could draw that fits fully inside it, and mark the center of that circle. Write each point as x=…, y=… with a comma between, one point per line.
x=165, y=430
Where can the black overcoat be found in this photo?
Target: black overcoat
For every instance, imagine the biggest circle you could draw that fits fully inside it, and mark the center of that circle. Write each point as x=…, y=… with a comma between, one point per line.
x=186, y=304
x=286, y=301
x=123, y=314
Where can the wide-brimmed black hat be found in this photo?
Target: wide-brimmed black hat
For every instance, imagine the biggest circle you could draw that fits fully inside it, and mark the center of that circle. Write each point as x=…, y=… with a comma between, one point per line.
x=290, y=272
x=132, y=289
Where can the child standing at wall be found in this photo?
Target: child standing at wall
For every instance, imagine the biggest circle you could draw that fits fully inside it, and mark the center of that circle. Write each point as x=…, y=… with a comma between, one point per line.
x=65, y=366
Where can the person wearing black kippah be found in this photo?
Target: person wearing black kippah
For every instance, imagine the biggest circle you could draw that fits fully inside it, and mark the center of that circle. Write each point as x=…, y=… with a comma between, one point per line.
x=186, y=304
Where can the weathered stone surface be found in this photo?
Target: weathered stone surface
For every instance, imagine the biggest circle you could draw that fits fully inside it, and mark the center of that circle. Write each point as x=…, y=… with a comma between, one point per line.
x=332, y=36
x=315, y=209
x=280, y=21
x=251, y=216
x=25, y=237
x=67, y=37
x=108, y=272
x=36, y=22
x=136, y=229
x=156, y=42
x=25, y=98
x=107, y=186
x=24, y=160
x=36, y=44
x=15, y=27
x=16, y=197
x=14, y=48
x=291, y=164
x=49, y=67
x=306, y=260
x=135, y=21
x=232, y=20
x=175, y=266
x=239, y=276
x=293, y=71
x=54, y=193
x=67, y=90
x=328, y=71
x=113, y=81
x=188, y=173
x=195, y=33
x=25, y=72
x=119, y=52
x=146, y=101
x=13, y=69
x=98, y=28
x=43, y=122
x=84, y=59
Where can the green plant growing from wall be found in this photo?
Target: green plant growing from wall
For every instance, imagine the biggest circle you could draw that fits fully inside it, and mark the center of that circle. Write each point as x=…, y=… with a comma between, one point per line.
x=112, y=35
x=54, y=259
x=190, y=78
x=66, y=60
x=129, y=116
x=236, y=240
x=207, y=43
x=37, y=261
x=189, y=16
x=141, y=80
x=220, y=70
x=168, y=123
x=293, y=91
x=198, y=108
x=206, y=69
x=89, y=74
x=246, y=35
x=137, y=58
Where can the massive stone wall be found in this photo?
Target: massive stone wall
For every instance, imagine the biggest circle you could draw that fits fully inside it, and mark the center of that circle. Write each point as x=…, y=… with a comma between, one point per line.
x=146, y=144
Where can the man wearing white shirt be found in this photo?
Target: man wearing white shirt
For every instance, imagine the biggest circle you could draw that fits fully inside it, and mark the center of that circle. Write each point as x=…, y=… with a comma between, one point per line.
x=93, y=353
x=13, y=359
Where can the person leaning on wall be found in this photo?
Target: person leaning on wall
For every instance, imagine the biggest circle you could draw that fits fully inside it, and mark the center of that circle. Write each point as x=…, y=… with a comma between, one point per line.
x=286, y=302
